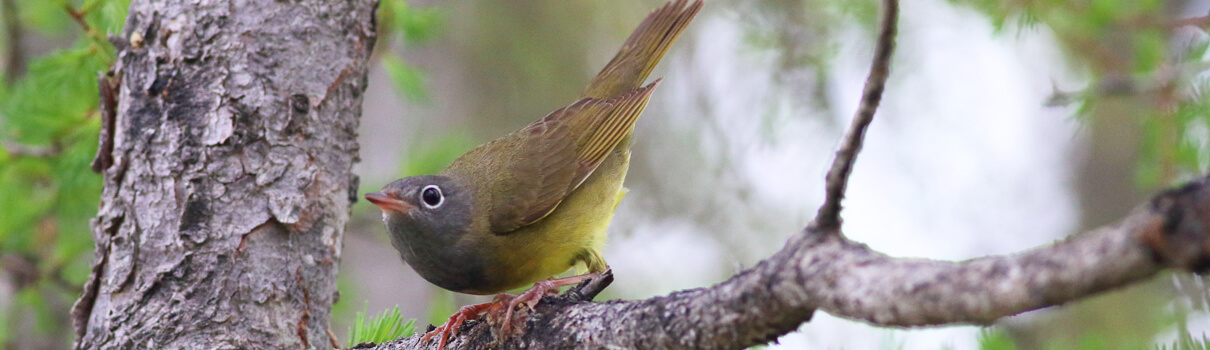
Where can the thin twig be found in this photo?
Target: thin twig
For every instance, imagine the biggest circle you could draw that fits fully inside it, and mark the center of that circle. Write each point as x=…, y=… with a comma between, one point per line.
x=1115, y=85
x=590, y=288
x=22, y=270
x=14, y=63
x=828, y=217
x=18, y=149
x=93, y=35
x=78, y=16
x=1199, y=22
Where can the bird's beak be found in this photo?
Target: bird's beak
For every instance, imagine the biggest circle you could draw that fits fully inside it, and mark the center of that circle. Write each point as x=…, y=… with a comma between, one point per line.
x=388, y=203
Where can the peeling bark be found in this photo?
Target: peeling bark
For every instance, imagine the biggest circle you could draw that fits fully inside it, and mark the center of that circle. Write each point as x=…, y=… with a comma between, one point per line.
x=221, y=221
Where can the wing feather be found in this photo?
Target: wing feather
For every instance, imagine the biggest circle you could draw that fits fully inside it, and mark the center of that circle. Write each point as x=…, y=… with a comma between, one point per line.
x=544, y=162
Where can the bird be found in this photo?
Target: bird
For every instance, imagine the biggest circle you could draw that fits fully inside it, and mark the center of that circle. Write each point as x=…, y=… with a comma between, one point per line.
x=535, y=203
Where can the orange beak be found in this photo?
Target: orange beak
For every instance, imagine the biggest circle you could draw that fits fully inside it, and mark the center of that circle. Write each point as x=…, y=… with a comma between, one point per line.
x=388, y=203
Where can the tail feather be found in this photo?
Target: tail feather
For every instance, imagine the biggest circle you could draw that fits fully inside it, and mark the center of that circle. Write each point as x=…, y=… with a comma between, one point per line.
x=643, y=50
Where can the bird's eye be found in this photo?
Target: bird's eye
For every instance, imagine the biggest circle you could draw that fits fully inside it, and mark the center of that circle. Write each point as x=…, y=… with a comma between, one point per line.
x=431, y=196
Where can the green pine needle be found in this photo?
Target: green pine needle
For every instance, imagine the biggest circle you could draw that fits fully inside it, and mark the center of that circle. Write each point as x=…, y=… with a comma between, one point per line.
x=385, y=326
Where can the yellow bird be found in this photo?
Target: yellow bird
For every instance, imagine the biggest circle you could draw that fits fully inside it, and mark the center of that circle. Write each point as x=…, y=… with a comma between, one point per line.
x=532, y=204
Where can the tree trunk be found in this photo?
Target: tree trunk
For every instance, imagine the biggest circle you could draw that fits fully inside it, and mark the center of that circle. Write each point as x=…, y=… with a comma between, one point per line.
x=221, y=221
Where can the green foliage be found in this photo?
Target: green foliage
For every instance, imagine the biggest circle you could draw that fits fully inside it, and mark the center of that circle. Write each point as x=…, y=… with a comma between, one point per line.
x=413, y=26
x=408, y=80
x=343, y=311
x=1128, y=43
x=416, y=25
x=441, y=305
x=1186, y=341
x=48, y=136
x=386, y=326
x=401, y=25
x=995, y=339
x=433, y=155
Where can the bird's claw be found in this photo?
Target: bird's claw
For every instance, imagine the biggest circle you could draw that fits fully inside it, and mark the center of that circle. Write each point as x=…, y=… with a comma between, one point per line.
x=533, y=295
x=451, y=326
x=530, y=298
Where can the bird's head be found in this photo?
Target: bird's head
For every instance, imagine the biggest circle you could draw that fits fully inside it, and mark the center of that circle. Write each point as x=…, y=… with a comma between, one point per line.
x=425, y=207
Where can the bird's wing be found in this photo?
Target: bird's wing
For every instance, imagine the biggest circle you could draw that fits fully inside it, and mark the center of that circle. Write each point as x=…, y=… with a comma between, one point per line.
x=541, y=164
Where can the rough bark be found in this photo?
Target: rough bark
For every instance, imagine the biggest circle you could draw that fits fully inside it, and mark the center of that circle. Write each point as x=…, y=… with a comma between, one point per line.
x=221, y=221
x=824, y=271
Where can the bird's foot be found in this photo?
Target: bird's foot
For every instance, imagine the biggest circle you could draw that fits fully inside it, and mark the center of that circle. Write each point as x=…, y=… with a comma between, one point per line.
x=533, y=295
x=507, y=303
x=451, y=326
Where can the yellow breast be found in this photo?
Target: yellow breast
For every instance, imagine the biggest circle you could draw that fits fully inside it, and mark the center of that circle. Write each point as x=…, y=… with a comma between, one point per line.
x=573, y=233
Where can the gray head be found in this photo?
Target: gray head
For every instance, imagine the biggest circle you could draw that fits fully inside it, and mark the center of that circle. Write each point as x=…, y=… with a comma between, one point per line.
x=427, y=216
x=424, y=208
x=420, y=197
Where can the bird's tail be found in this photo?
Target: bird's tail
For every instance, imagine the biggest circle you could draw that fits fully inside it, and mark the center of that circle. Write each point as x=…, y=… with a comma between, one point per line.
x=643, y=50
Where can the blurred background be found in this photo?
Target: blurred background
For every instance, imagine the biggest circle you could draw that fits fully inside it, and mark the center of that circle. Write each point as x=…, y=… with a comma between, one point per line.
x=1006, y=125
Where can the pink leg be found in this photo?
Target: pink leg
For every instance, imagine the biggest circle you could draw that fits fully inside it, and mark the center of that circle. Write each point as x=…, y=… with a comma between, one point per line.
x=531, y=297
x=451, y=326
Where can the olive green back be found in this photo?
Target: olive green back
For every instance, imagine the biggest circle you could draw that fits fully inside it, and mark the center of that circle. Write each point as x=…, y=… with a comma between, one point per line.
x=520, y=178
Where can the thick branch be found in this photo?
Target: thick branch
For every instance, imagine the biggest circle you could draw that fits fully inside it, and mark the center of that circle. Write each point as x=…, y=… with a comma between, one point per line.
x=847, y=279
x=828, y=217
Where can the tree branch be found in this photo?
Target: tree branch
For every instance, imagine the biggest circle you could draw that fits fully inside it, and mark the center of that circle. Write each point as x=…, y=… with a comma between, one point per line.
x=1199, y=22
x=820, y=269
x=847, y=279
x=18, y=149
x=827, y=219
x=14, y=62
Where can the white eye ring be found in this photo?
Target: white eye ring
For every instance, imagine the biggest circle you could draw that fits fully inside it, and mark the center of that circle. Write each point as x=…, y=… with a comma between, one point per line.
x=432, y=197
